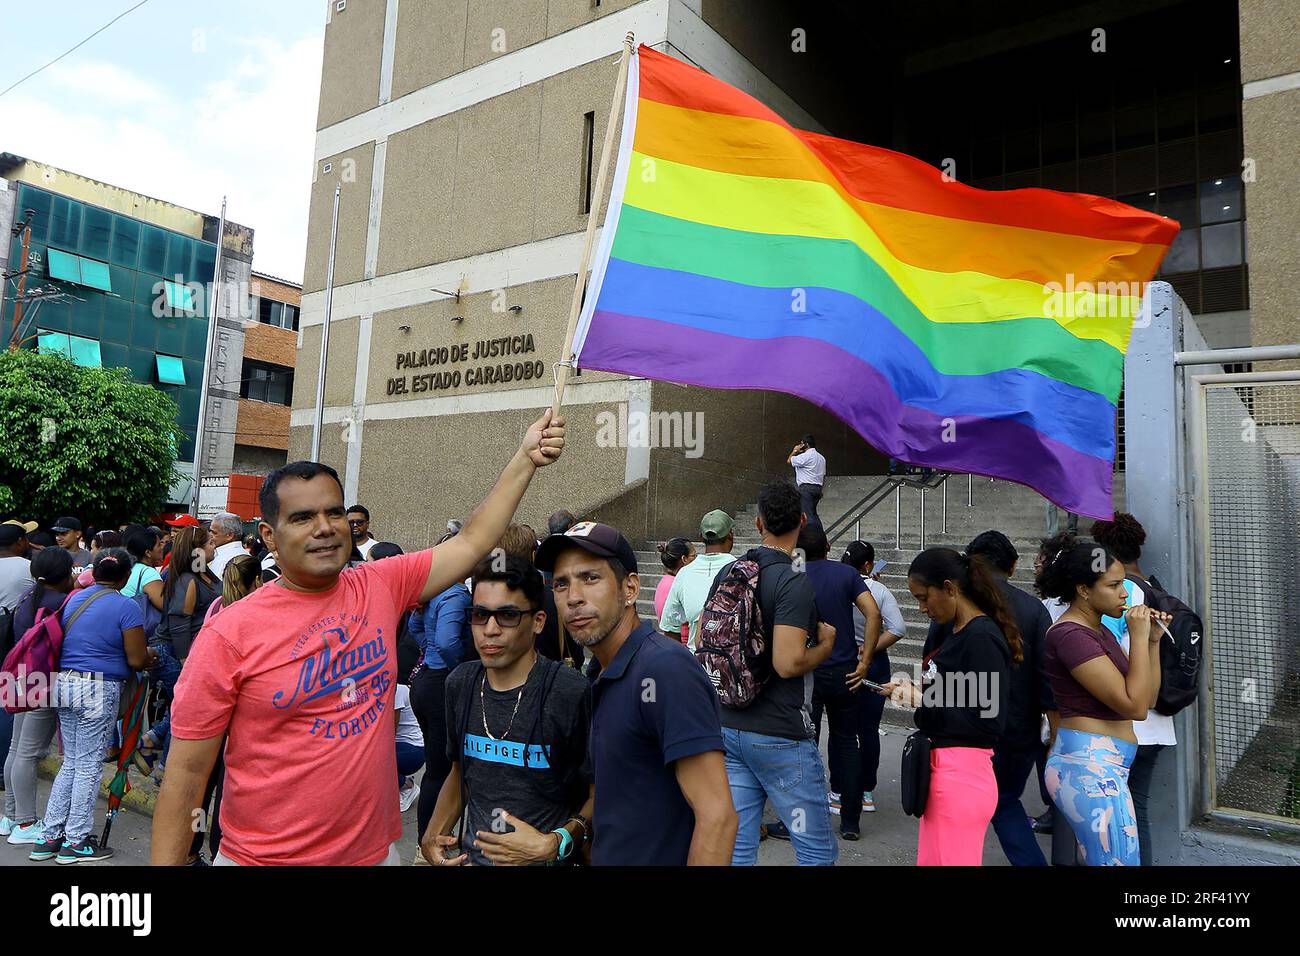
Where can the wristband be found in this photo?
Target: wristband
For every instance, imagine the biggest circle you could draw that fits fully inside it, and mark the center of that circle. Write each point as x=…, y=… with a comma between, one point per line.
x=566, y=844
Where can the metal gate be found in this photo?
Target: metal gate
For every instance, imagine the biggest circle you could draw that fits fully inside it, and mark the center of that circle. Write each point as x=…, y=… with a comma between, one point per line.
x=1245, y=441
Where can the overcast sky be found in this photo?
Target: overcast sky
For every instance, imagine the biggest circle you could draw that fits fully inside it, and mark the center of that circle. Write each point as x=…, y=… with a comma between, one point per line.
x=183, y=100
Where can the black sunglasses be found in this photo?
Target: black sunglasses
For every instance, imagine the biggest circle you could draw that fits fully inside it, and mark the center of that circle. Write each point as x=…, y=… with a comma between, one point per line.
x=506, y=616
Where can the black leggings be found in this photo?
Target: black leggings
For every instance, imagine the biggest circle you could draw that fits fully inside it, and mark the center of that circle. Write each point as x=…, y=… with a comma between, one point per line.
x=428, y=702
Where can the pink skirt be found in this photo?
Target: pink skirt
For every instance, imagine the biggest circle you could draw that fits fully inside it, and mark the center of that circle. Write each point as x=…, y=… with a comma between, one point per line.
x=963, y=797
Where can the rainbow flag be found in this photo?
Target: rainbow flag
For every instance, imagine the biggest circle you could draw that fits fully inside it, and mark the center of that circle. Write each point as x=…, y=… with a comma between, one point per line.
x=953, y=327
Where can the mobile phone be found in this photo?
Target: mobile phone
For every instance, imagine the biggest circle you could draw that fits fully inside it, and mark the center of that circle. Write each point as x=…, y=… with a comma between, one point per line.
x=872, y=685
x=878, y=567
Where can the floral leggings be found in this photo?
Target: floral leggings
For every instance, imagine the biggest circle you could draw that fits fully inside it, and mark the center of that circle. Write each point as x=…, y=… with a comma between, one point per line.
x=1087, y=778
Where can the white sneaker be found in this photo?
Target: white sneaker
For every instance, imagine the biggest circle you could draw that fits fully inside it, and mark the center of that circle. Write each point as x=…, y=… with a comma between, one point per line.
x=868, y=803
x=407, y=796
x=28, y=835
x=6, y=826
x=834, y=800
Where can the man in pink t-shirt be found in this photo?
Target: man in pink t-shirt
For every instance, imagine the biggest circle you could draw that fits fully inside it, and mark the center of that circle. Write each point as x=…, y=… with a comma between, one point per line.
x=300, y=674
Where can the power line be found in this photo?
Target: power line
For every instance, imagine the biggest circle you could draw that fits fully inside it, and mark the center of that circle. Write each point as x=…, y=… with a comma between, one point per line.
x=75, y=48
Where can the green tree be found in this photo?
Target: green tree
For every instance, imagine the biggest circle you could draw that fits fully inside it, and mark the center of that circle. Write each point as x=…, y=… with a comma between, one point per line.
x=89, y=442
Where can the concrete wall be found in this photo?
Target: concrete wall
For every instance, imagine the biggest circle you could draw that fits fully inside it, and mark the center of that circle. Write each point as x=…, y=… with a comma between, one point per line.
x=351, y=170
x=8, y=199
x=1270, y=73
x=353, y=48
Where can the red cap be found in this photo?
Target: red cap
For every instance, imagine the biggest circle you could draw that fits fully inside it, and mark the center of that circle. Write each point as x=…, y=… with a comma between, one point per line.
x=184, y=521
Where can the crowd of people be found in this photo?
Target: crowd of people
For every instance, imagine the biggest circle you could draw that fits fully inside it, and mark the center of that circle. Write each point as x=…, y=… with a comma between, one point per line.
x=311, y=673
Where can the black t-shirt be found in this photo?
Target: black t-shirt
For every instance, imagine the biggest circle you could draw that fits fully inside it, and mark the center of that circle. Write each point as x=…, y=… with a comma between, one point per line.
x=967, y=691
x=784, y=706
x=538, y=771
x=1030, y=692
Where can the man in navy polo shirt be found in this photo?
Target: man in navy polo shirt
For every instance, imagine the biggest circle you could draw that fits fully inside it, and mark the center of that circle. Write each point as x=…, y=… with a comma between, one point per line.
x=662, y=797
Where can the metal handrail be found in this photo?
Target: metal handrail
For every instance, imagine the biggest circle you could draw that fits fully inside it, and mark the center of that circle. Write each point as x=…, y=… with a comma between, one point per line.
x=880, y=492
x=894, y=485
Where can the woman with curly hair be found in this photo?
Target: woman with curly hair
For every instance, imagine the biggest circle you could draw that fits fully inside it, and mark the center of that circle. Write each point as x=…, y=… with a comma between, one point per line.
x=1099, y=692
x=1124, y=536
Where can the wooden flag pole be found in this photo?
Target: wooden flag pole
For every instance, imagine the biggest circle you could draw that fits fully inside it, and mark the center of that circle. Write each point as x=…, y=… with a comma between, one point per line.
x=565, y=365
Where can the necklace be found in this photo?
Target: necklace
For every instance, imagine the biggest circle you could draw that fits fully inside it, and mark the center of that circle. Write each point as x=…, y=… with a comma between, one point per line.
x=513, y=714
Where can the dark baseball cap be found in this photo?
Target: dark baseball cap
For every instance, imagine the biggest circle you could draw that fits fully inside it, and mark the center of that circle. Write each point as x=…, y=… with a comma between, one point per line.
x=11, y=534
x=65, y=524
x=598, y=539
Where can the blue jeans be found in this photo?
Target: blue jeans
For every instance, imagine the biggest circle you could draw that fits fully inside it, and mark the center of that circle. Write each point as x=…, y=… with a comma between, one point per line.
x=166, y=674
x=1011, y=767
x=87, y=710
x=410, y=758
x=790, y=774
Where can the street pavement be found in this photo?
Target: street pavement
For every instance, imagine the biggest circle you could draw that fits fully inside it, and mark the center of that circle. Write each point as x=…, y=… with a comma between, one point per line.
x=888, y=835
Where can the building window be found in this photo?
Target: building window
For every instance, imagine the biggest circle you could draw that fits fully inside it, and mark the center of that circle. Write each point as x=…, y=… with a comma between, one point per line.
x=267, y=383
x=66, y=267
x=82, y=351
x=179, y=297
x=280, y=314
x=171, y=370
x=588, y=153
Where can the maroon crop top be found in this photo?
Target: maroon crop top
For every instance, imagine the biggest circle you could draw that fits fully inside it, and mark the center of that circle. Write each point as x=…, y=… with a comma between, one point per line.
x=1069, y=645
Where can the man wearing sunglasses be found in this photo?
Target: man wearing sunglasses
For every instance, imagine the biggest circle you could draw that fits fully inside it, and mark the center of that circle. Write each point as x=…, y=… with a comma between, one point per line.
x=517, y=728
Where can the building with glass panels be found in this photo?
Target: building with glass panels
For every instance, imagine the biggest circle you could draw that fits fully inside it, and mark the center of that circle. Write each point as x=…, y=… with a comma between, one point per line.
x=117, y=279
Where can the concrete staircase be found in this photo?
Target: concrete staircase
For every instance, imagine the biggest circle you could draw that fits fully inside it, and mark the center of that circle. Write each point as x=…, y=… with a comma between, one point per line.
x=1013, y=509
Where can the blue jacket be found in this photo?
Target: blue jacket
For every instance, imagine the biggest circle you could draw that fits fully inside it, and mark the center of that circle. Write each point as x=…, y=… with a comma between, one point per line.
x=442, y=629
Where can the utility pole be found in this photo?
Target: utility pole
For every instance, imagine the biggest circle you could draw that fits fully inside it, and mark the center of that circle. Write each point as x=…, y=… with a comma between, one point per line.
x=201, y=431
x=22, y=280
x=318, y=424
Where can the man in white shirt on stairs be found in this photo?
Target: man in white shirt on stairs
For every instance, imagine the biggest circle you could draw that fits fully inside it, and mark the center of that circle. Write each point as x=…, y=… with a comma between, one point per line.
x=809, y=474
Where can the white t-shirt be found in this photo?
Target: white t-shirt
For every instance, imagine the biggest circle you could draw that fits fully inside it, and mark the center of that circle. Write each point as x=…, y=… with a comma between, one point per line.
x=365, y=546
x=690, y=590
x=408, y=728
x=15, y=580
x=222, y=556
x=809, y=468
x=1157, y=728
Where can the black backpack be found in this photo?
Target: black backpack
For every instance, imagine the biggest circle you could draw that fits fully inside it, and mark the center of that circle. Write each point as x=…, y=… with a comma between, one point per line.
x=1180, y=658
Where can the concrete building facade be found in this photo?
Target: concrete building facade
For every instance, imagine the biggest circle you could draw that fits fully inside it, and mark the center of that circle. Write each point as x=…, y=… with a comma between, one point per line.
x=464, y=134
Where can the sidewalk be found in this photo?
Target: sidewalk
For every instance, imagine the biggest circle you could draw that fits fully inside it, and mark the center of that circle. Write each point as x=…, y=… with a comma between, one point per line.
x=888, y=835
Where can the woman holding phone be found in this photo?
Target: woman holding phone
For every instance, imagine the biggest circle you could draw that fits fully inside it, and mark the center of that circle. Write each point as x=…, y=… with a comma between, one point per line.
x=1099, y=692
x=974, y=649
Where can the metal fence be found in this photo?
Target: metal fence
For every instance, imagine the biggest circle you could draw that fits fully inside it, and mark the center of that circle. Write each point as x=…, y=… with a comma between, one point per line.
x=1248, y=453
